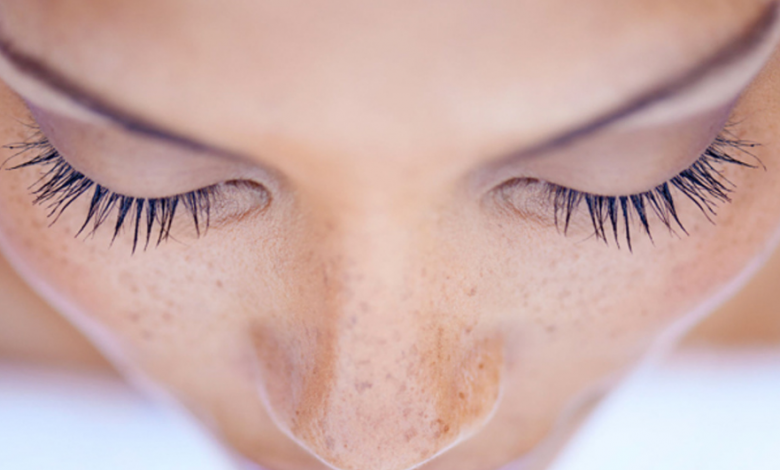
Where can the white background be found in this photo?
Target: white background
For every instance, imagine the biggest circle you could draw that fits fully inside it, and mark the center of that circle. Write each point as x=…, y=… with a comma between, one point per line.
x=693, y=412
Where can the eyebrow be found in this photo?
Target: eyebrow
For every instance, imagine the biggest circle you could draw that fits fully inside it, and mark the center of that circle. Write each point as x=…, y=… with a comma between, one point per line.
x=751, y=38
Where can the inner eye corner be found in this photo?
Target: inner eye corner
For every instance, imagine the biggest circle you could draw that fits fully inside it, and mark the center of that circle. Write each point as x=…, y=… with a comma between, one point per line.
x=245, y=184
x=251, y=186
x=518, y=183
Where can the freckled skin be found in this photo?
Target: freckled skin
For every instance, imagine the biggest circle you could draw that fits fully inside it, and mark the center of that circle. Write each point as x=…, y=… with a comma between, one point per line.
x=379, y=314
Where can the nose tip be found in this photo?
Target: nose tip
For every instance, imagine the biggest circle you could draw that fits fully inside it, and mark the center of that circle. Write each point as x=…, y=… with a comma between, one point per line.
x=379, y=398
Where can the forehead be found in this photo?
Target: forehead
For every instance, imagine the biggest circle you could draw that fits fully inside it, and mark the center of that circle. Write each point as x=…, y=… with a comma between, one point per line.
x=473, y=74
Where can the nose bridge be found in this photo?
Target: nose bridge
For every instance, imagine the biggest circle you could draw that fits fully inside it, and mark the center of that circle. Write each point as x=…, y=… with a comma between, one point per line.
x=380, y=378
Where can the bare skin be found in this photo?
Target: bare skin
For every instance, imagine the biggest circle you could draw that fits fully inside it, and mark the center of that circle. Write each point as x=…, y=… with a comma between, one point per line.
x=386, y=289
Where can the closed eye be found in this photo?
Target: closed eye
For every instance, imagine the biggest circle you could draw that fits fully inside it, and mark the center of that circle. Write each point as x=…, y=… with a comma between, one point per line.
x=612, y=217
x=149, y=220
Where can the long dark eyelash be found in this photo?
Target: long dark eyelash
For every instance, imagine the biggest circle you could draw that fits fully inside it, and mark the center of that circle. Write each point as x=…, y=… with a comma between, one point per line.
x=703, y=183
x=149, y=219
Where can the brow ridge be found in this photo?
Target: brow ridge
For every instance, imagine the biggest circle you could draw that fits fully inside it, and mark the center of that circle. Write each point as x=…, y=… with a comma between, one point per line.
x=57, y=81
x=749, y=39
x=39, y=70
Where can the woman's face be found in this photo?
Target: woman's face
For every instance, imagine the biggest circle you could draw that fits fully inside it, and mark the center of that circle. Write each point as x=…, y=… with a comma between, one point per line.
x=381, y=273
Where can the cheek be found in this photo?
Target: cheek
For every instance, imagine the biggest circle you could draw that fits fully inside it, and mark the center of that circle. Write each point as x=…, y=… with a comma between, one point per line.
x=169, y=316
x=153, y=297
x=577, y=312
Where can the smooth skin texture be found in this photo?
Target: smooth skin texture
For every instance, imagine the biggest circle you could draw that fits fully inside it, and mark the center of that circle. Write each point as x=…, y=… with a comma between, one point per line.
x=379, y=297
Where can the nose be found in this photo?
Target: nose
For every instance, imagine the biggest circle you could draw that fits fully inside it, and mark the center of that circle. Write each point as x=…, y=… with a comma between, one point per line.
x=379, y=368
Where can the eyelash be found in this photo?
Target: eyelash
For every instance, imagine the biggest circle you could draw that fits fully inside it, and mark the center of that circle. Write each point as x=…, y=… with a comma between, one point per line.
x=61, y=185
x=702, y=183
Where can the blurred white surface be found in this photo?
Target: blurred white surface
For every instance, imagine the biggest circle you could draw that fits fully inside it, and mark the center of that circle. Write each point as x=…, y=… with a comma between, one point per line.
x=59, y=421
x=696, y=412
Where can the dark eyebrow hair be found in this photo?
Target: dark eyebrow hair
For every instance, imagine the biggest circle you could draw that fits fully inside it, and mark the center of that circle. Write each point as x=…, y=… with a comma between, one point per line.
x=751, y=38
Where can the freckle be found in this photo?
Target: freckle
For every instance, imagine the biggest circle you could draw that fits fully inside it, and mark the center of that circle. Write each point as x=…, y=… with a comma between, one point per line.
x=219, y=284
x=472, y=292
x=551, y=329
x=481, y=366
x=461, y=395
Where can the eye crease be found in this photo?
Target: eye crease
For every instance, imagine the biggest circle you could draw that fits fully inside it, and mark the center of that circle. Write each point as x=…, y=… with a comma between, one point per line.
x=703, y=183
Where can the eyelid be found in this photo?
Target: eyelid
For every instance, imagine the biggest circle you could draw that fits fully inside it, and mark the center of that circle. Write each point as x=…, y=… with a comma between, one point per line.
x=616, y=161
x=136, y=165
x=60, y=186
x=611, y=217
